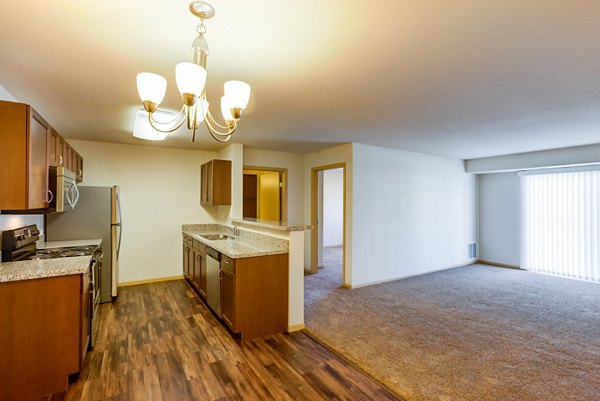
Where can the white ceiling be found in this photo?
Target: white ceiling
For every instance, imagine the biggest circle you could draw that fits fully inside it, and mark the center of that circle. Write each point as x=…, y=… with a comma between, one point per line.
x=459, y=78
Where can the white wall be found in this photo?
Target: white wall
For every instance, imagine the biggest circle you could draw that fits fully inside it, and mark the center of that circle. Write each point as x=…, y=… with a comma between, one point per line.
x=223, y=214
x=412, y=213
x=333, y=207
x=499, y=218
x=337, y=154
x=545, y=158
x=295, y=179
x=160, y=191
x=6, y=95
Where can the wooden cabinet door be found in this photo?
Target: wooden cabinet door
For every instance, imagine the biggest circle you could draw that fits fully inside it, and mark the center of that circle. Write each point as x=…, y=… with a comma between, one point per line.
x=68, y=155
x=79, y=167
x=61, y=147
x=37, y=164
x=206, y=193
x=228, y=300
x=215, y=183
x=186, y=258
x=51, y=140
x=202, y=288
x=197, y=269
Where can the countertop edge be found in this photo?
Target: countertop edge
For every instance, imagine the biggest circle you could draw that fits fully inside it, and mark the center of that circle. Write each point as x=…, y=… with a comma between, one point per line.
x=234, y=255
x=273, y=225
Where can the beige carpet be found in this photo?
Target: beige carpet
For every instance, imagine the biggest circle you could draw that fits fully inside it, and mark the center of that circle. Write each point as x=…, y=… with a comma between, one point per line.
x=472, y=333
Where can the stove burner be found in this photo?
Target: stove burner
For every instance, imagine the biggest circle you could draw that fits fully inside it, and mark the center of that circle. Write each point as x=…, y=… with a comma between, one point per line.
x=65, y=252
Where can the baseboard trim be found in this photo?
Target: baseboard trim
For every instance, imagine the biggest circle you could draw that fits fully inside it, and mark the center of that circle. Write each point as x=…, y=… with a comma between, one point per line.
x=470, y=262
x=149, y=281
x=487, y=262
x=295, y=327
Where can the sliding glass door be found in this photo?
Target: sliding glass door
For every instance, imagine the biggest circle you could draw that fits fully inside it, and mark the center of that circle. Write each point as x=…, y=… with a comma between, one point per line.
x=560, y=224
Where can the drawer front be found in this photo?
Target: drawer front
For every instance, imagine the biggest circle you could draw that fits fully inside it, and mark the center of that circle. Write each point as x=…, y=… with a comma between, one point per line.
x=227, y=263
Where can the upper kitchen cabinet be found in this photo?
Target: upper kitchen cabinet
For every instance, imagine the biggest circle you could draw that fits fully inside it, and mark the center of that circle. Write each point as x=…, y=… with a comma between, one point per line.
x=24, y=167
x=77, y=162
x=215, y=183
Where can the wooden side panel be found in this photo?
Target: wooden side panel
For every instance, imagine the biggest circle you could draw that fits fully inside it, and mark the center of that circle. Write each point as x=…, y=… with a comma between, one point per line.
x=13, y=155
x=202, y=254
x=85, y=321
x=262, y=295
x=38, y=166
x=39, y=336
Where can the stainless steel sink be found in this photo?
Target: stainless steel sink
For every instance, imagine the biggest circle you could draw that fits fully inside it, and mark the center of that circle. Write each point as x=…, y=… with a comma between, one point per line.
x=216, y=237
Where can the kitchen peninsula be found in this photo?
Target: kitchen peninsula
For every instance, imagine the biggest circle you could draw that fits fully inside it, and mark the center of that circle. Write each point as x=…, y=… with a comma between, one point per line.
x=248, y=276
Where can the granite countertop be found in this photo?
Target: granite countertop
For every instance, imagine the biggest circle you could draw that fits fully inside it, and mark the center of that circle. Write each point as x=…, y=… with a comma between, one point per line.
x=32, y=269
x=273, y=225
x=245, y=245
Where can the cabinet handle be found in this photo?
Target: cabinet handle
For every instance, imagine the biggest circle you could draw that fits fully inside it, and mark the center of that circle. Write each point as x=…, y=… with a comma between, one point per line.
x=60, y=163
x=51, y=196
x=79, y=173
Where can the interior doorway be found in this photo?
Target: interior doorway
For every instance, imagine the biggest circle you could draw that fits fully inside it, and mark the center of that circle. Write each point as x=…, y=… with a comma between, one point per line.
x=328, y=217
x=265, y=193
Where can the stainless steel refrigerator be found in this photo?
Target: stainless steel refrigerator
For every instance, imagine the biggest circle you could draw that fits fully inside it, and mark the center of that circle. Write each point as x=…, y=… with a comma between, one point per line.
x=96, y=215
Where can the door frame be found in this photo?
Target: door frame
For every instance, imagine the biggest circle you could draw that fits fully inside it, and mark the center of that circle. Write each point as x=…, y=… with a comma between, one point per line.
x=283, y=173
x=314, y=209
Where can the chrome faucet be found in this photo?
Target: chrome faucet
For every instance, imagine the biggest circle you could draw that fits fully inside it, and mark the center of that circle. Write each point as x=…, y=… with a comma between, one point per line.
x=236, y=231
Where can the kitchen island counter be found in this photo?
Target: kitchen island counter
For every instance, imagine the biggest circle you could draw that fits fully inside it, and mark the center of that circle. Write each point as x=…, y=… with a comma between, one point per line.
x=245, y=245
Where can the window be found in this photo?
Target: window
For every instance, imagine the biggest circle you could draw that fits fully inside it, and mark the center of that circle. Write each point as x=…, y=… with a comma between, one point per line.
x=560, y=224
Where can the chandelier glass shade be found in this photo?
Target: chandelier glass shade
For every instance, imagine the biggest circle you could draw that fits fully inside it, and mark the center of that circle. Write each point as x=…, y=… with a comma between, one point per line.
x=191, y=79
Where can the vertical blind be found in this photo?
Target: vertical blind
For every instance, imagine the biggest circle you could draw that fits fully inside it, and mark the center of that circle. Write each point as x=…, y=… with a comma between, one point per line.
x=560, y=224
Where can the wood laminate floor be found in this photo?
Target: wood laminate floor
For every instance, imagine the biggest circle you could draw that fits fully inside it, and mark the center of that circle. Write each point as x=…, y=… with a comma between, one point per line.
x=159, y=342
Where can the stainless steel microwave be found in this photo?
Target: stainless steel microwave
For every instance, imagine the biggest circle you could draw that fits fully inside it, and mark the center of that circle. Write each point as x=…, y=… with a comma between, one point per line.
x=64, y=193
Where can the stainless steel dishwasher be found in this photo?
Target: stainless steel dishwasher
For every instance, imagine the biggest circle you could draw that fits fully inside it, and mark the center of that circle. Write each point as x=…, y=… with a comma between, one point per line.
x=213, y=280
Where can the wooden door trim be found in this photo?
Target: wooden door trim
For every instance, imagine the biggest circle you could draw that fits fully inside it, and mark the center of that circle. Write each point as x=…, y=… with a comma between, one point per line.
x=314, y=203
x=284, y=192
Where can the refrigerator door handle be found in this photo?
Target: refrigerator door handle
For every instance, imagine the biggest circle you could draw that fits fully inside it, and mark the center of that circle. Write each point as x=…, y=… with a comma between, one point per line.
x=119, y=208
x=120, y=236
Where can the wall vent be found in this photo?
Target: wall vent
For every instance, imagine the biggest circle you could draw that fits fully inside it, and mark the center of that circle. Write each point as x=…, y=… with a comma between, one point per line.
x=472, y=250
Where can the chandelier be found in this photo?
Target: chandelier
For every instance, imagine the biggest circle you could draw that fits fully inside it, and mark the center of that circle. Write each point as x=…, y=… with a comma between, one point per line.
x=190, y=78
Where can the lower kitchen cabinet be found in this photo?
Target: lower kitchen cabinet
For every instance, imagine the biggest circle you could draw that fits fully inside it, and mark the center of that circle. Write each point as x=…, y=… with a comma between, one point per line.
x=253, y=290
x=194, y=264
x=254, y=295
x=187, y=272
x=199, y=277
x=202, y=260
x=44, y=335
